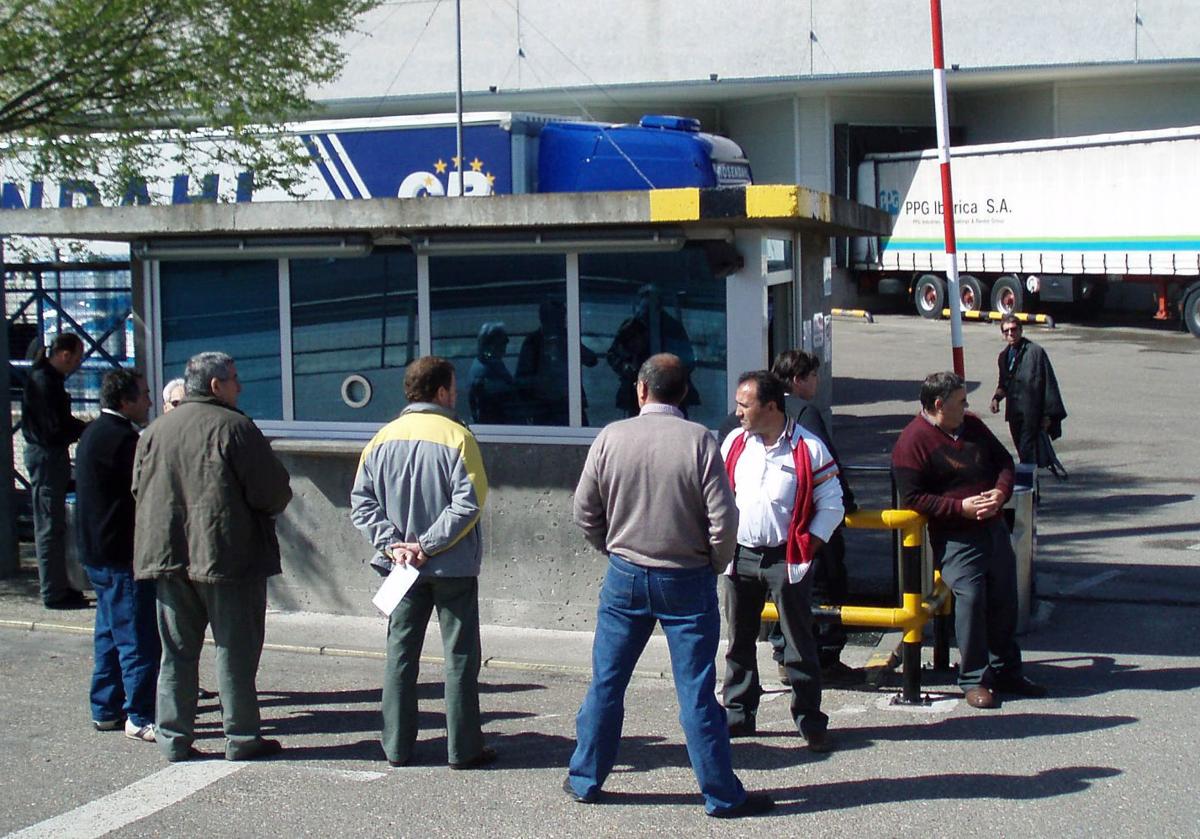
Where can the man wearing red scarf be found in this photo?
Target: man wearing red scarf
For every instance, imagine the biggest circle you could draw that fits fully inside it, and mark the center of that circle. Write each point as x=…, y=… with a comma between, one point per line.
x=789, y=503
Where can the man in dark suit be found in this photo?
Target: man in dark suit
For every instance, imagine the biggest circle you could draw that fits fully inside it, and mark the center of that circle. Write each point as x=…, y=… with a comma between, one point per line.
x=126, y=635
x=1029, y=389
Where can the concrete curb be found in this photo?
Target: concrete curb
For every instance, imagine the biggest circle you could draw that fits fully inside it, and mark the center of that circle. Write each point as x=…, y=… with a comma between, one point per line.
x=346, y=652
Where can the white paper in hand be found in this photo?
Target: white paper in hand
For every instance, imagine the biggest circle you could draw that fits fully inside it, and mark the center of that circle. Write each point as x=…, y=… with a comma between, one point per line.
x=394, y=588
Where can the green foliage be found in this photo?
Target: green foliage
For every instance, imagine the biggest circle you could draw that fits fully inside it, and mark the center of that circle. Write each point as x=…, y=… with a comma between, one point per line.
x=97, y=87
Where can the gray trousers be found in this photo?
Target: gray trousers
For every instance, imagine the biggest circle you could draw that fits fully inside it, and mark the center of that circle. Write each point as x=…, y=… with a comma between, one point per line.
x=980, y=568
x=49, y=472
x=237, y=613
x=457, y=603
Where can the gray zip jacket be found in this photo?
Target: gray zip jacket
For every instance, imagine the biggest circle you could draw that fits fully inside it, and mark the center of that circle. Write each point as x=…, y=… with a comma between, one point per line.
x=421, y=479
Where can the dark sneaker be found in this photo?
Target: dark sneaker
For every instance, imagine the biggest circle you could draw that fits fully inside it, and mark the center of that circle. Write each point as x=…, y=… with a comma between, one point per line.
x=745, y=728
x=108, y=725
x=590, y=798
x=484, y=758
x=1021, y=686
x=755, y=804
x=262, y=748
x=73, y=599
x=820, y=742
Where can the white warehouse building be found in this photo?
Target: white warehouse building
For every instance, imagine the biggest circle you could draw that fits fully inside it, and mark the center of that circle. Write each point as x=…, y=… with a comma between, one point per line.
x=806, y=89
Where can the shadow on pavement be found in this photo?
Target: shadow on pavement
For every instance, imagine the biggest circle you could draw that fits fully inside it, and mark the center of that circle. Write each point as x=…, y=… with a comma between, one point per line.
x=845, y=795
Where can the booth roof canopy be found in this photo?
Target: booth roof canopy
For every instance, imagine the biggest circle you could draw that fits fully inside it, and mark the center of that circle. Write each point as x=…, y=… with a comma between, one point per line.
x=776, y=206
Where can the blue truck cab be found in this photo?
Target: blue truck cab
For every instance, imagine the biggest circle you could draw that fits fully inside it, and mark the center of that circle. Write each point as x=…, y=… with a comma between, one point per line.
x=659, y=152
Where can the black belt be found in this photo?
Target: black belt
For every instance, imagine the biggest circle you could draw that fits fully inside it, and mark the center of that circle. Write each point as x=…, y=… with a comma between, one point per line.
x=769, y=552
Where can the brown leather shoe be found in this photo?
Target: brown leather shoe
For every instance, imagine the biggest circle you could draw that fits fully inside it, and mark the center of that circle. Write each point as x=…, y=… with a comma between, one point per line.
x=981, y=697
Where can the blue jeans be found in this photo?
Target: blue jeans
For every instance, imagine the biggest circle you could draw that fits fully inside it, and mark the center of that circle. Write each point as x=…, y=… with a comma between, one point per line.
x=126, y=646
x=632, y=600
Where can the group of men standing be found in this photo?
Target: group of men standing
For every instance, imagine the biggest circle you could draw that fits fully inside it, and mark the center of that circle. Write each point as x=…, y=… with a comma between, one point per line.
x=675, y=511
x=176, y=534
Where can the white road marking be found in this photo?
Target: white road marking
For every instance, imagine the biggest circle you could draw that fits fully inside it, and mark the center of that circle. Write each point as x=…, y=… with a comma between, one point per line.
x=136, y=801
x=346, y=774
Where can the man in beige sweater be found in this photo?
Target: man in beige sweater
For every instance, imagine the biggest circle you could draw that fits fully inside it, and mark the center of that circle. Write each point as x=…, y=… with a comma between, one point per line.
x=654, y=496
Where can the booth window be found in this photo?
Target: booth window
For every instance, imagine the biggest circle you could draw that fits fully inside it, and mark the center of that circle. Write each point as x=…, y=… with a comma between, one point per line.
x=633, y=305
x=354, y=329
x=230, y=307
x=501, y=320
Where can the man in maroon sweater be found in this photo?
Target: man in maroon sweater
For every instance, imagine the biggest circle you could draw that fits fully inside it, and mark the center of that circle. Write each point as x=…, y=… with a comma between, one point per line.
x=949, y=467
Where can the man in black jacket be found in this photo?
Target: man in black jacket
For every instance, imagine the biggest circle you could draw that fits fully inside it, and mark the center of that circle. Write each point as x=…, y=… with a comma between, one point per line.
x=126, y=635
x=49, y=428
x=800, y=373
x=1029, y=389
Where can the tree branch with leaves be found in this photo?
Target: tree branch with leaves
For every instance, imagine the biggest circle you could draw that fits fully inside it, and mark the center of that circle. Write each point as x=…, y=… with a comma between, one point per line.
x=98, y=88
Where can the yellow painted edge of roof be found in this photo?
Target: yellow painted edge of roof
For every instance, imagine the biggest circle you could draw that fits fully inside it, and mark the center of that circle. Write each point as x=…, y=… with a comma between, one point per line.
x=772, y=201
x=675, y=204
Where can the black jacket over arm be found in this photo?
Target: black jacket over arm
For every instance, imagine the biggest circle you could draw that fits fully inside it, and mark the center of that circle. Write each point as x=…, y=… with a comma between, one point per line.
x=104, y=497
x=1030, y=389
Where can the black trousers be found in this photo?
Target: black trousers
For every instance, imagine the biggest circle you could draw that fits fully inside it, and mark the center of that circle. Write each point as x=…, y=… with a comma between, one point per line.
x=1025, y=432
x=831, y=584
x=757, y=573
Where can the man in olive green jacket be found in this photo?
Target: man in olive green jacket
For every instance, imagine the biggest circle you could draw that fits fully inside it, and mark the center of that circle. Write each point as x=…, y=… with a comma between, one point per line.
x=208, y=488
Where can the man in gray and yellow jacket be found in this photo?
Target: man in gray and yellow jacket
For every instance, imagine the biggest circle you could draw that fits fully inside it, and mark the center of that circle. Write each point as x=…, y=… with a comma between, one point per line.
x=417, y=497
x=208, y=489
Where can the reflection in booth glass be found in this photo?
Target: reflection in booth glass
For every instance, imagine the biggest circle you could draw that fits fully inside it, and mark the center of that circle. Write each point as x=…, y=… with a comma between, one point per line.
x=482, y=309
x=491, y=389
x=634, y=305
x=542, y=367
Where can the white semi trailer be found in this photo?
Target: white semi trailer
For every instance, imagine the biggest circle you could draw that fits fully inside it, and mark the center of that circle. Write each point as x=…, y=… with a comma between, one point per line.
x=1045, y=220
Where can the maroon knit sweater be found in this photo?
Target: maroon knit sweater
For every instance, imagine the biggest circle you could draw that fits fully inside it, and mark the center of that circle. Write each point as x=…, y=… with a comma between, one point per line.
x=934, y=472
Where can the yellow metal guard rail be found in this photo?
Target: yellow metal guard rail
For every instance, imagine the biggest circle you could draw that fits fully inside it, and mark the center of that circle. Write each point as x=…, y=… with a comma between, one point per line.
x=915, y=609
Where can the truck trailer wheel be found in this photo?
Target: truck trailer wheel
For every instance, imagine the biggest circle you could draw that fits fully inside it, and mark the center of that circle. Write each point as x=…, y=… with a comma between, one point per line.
x=970, y=291
x=1190, y=311
x=1008, y=295
x=929, y=295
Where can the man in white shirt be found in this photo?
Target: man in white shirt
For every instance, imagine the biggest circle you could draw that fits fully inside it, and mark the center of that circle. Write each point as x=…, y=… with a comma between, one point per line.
x=789, y=503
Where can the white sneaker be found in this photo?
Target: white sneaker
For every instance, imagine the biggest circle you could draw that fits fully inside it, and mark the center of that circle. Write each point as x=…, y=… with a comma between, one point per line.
x=144, y=733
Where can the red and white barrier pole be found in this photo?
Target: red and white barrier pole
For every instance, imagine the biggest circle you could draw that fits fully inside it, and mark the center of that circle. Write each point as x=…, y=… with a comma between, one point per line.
x=943, y=130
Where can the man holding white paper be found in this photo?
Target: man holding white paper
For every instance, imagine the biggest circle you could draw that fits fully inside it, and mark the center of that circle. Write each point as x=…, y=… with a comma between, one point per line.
x=417, y=497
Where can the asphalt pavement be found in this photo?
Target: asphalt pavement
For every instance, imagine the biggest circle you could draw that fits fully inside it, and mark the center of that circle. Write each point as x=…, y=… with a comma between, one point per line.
x=1111, y=752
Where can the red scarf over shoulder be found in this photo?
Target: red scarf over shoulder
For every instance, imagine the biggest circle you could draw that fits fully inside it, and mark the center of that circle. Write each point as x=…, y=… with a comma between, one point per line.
x=798, y=549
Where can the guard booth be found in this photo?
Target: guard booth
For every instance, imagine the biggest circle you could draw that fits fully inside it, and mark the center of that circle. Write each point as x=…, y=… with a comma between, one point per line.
x=545, y=303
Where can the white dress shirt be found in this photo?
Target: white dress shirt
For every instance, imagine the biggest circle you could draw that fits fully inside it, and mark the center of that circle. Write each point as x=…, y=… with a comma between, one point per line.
x=765, y=487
